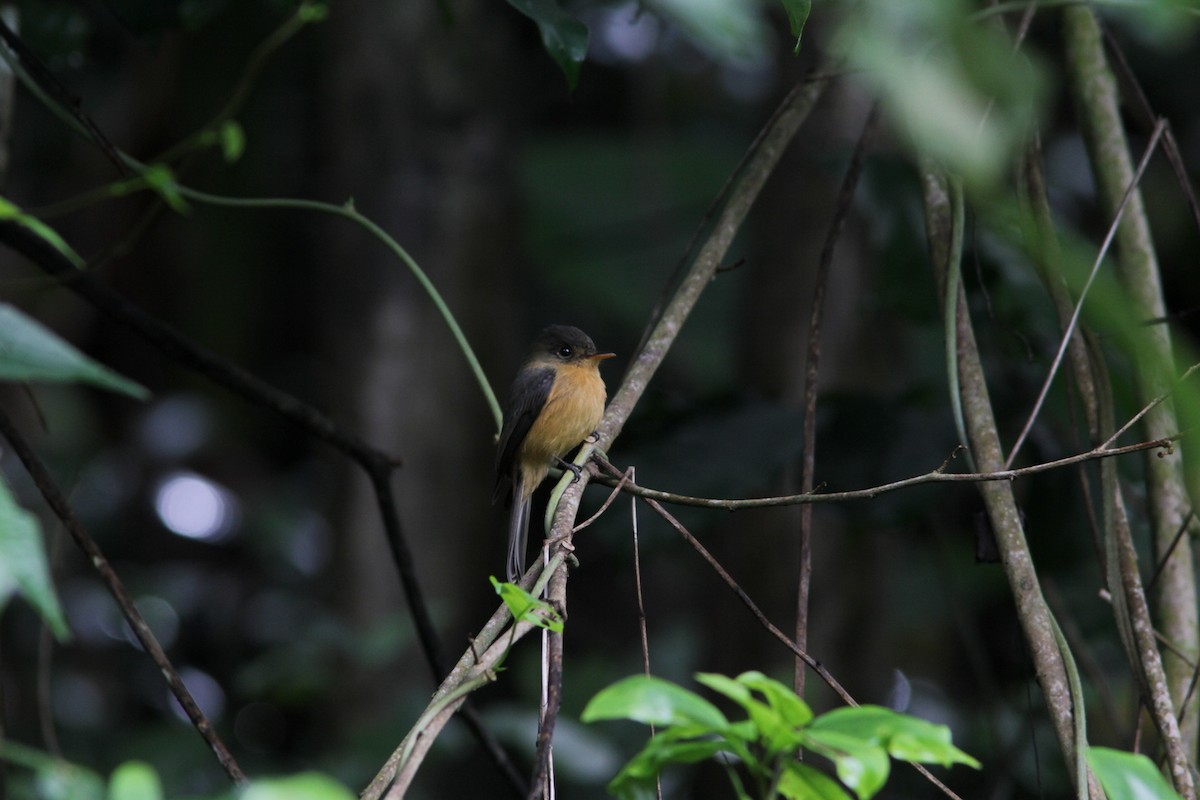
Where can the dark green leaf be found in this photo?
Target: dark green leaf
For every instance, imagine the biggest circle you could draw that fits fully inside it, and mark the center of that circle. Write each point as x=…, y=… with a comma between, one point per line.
x=797, y=14
x=564, y=37
x=1128, y=776
x=23, y=565
x=654, y=701
x=31, y=353
x=673, y=746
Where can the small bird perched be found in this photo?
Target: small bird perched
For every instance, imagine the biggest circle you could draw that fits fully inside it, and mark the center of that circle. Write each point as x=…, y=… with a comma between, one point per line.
x=555, y=403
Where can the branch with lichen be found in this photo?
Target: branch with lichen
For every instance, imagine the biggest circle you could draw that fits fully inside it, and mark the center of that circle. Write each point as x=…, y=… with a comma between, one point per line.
x=1137, y=270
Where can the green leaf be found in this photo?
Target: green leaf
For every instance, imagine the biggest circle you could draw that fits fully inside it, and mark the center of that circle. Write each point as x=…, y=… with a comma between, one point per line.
x=312, y=12
x=305, y=786
x=637, y=777
x=526, y=607
x=1128, y=776
x=23, y=565
x=564, y=37
x=802, y=782
x=861, y=764
x=779, y=696
x=9, y=211
x=653, y=701
x=69, y=782
x=797, y=14
x=905, y=737
x=134, y=780
x=770, y=727
x=160, y=179
x=729, y=30
x=233, y=141
x=30, y=352
x=957, y=89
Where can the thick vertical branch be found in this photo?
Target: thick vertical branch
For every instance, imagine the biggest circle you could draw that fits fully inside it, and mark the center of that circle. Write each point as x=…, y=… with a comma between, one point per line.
x=1118, y=554
x=984, y=441
x=1137, y=269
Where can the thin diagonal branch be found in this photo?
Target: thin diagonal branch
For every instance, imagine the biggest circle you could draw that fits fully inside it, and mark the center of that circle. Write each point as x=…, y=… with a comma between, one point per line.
x=763, y=620
x=376, y=464
x=1067, y=334
x=58, y=504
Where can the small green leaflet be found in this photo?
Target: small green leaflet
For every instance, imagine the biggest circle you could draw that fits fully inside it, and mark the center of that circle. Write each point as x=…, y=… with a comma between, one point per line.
x=9, y=211
x=135, y=780
x=564, y=37
x=30, y=352
x=159, y=179
x=797, y=14
x=526, y=607
x=23, y=564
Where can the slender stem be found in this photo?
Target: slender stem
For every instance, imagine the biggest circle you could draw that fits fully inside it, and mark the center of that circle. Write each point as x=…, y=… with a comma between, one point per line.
x=1070, y=330
x=811, y=371
x=934, y=476
x=116, y=587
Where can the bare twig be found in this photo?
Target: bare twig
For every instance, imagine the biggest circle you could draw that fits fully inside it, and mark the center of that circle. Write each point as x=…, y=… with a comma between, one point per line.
x=763, y=620
x=811, y=370
x=58, y=504
x=60, y=95
x=934, y=476
x=541, y=784
x=1067, y=334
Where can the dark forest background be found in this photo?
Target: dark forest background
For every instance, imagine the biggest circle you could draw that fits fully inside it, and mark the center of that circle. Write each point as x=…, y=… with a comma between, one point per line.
x=255, y=550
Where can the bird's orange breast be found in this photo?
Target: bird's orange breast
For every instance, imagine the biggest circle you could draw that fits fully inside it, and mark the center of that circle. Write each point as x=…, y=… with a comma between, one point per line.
x=571, y=413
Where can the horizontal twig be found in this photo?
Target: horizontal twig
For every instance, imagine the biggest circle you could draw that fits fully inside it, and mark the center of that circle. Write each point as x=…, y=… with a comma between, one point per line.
x=938, y=475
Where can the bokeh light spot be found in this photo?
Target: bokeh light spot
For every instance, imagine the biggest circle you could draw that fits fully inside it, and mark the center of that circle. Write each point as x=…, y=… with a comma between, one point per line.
x=195, y=507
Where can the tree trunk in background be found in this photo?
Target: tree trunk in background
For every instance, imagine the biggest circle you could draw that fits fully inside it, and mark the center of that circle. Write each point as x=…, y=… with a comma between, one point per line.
x=425, y=149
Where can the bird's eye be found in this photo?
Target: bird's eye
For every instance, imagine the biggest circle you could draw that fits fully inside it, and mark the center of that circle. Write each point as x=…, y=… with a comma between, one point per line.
x=565, y=351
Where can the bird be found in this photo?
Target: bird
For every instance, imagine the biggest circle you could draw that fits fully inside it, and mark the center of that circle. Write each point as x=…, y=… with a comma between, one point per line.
x=556, y=402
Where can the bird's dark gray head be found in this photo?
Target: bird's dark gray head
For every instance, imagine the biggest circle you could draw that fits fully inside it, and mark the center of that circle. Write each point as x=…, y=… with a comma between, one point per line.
x=563, y=343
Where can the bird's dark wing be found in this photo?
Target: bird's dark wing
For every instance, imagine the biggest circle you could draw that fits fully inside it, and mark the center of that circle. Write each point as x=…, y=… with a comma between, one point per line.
x=528, y=396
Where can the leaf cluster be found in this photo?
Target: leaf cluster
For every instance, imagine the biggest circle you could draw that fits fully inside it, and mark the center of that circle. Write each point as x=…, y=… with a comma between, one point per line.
x=860, y=741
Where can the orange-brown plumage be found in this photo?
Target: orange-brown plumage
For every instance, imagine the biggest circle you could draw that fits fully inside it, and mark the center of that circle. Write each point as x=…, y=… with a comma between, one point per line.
x=556, y=401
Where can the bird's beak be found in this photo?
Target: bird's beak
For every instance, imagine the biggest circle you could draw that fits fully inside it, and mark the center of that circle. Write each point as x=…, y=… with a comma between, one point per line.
x=602, y=356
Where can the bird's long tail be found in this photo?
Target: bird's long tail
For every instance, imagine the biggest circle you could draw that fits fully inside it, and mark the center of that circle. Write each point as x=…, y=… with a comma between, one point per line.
x=518, y=533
